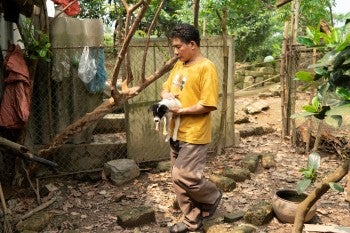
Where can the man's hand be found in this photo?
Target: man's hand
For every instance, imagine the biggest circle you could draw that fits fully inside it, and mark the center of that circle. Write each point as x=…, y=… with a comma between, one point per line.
x=168, y=95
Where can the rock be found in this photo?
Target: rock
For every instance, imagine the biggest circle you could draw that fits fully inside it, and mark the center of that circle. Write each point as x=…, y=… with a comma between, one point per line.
x=46, y=189
x=276, y=90
x=251, y=162
x=164, y=166
x=238, y=174
x=121, y=170
x=233, y=217
x=241, y=117
x=255, y=131
x=224, y=183
x=244, y=228
x=256, y=107
x=37, y=222
x=223, y=228
x=136, y=216
x=268, y=161
x=259, y=214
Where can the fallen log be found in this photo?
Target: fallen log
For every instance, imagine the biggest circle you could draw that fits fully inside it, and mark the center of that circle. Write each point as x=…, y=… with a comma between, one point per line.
x=24, y=152
x=330, y=141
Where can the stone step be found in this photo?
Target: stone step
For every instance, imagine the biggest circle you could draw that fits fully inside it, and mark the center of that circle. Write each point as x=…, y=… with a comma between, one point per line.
x=86, y=156
x=111, y=123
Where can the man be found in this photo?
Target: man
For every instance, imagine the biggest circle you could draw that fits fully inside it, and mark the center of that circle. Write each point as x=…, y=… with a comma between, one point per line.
x=193, y=80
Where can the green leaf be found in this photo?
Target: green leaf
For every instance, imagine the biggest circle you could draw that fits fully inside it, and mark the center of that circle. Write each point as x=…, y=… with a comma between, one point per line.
x=310, y=109
x=343, y=93
x=320, y=71
x=336, y=187
x=302, y=185
x=345, y=43
x=304, y=76
x=308, y=173
x=315, y=103
x=314, y=161
x=305, y=41
x=42, y=53
x=342, y=110
x=334, y=120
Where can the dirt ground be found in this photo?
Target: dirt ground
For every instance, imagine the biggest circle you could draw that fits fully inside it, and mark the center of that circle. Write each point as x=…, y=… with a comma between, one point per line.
x=91, y=206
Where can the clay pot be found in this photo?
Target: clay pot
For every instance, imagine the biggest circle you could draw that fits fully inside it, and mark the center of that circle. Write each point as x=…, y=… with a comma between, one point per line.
x=285, y=204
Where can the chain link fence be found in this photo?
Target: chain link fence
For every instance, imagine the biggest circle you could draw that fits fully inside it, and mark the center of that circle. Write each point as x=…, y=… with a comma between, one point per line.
x=60, y=98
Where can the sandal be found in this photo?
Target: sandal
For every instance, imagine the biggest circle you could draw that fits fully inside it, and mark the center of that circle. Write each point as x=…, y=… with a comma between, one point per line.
x=180, y=227
x=212, y=210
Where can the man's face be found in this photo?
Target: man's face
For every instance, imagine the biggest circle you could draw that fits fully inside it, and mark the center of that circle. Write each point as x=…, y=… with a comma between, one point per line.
x=182, y=50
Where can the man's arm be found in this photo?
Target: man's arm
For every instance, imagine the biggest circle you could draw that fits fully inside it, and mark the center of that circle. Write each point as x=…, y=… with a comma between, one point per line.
x=194, y=109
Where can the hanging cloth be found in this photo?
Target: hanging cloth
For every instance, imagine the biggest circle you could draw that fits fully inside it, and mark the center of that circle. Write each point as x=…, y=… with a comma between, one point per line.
x=15, y=104
x=73, y=8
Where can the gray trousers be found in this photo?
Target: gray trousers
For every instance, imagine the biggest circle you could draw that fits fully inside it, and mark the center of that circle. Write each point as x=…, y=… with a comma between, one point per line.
x=193, y=191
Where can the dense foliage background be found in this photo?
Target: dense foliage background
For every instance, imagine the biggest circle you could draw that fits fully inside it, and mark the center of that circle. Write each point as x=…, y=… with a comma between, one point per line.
x=256, y=24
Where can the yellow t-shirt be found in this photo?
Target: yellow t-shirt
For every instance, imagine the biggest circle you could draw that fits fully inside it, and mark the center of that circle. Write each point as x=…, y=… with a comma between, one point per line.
x=194, y=83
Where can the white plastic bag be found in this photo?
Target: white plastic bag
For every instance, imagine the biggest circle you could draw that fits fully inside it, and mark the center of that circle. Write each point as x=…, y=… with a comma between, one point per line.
x=87, y=66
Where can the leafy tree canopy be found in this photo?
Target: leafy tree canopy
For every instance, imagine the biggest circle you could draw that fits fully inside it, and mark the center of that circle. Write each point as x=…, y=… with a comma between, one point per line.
x=256, y=24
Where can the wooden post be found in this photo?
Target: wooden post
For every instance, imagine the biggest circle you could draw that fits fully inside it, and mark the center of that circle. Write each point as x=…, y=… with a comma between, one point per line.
x=283, y=74
x=222, y=139
x=294, y=64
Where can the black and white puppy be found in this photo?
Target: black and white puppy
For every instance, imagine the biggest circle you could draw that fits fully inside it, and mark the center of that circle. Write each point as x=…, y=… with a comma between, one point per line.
x=161, y=111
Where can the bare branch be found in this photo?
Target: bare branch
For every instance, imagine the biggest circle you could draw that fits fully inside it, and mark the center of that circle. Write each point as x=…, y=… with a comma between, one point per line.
x=196, y=13
x=148, y=39
x=115, y=94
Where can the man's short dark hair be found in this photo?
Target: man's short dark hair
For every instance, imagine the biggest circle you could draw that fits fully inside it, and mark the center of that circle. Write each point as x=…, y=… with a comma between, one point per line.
x=186, y=33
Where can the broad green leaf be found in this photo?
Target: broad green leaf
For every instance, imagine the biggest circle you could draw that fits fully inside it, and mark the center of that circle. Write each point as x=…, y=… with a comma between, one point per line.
x=308, y=173
x=310, y=108
x=334, y=120
x=315, y=103
x=305, y=41
x=321, y=71
x=302, y=185
x=343, y=93
x=326, y=60
x=304, y=76
x=346, y=43
x=314, y=161
x=336, y=187
x=340, y=110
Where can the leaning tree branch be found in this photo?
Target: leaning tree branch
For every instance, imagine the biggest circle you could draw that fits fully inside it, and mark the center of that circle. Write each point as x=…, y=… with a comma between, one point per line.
x=24, y=152
x=316, y=194
x=150, y=29
x=145, y=4
x=106, y=107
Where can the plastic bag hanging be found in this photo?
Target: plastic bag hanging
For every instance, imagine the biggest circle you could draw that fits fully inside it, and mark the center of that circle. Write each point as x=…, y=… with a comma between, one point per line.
x=98, y=83
x=87, y=66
